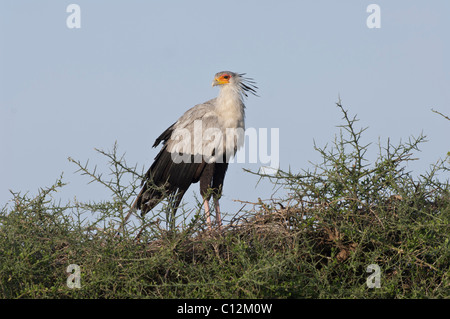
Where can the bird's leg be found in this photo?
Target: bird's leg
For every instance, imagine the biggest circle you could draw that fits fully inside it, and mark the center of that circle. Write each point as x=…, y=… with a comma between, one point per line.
x=217, y=208
x=207, y=212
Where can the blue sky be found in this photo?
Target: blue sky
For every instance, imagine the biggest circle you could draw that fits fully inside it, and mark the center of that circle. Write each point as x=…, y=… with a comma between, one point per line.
x=135, y=66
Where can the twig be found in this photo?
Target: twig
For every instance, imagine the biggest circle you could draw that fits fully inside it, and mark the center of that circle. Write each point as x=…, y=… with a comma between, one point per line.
x=437, y=112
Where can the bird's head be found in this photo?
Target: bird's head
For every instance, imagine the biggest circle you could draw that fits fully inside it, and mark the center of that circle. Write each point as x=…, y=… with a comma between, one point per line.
x=237, y=80
x=224, y=77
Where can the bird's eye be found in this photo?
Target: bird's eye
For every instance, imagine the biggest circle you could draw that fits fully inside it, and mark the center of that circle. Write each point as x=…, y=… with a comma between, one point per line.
x=226, y=77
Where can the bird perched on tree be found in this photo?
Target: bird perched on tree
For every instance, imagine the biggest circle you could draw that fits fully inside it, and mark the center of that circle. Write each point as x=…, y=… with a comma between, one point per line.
x=198, y=147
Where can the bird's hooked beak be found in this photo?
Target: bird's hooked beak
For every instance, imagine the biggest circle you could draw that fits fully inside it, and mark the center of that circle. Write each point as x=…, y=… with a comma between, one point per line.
x=220, y=80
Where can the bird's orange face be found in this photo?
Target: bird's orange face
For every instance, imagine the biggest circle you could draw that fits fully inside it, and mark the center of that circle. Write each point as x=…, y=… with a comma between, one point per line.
x=223, y=78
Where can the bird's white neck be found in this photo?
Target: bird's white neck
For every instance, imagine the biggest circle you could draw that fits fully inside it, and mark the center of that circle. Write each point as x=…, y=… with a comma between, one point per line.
x=230, y=107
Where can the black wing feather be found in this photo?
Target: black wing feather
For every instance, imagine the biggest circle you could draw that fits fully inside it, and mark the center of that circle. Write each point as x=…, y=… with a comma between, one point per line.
x=165, y=177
